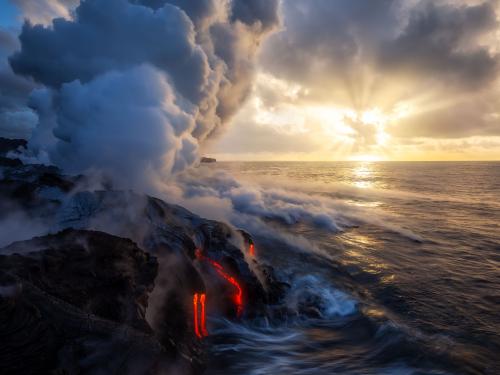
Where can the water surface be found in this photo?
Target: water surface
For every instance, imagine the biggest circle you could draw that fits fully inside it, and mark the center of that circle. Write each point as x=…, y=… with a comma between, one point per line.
x=412, y=286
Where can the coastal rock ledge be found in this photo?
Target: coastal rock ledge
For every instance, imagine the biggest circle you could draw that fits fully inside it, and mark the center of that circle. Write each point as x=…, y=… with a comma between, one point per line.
x=115, y=282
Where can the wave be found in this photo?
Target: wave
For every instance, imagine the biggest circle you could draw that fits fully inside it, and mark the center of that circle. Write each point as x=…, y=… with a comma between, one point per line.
x=217, y=193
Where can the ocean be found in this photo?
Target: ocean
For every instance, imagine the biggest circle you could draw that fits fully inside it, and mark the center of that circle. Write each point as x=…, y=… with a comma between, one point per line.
x=408, y=284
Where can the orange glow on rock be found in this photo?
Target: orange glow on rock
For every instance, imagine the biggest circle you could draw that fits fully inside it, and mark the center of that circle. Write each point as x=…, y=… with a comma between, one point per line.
x=198, y=253
x=204, y=331
x=202, y=316
x=251, y=249
x=195, y=315
x=238, y=296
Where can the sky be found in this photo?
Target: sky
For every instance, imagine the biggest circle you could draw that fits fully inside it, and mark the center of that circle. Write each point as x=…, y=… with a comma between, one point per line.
x=9, y=14
x=374, y=80
x=329, y=80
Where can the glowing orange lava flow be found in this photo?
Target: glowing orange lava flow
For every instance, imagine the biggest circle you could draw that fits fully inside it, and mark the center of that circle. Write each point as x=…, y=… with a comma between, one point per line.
x=201, y=297
x=251, y=249
x=238, y=296
x=195, y=315
x=204, y=331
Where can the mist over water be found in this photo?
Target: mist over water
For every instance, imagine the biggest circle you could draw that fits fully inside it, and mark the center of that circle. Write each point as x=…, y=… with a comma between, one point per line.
x=409, y=284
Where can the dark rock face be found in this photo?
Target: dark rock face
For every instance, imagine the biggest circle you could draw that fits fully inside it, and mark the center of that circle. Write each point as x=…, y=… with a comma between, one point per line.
x=76, y=301
x=101, y=274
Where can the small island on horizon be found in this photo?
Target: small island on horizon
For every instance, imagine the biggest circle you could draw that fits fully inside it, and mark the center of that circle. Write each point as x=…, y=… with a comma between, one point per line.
x=205, y=159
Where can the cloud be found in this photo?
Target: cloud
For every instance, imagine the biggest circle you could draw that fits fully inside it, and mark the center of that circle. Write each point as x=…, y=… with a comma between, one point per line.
x=467, y=116
x=104, y=37
x=441, y=42
x=99, y=74
x=249, y=137
x=149, y=137
x=16, y=119
x=324, y=41
x=439, y=59
x=43, y=11
x=263, y=13
x=429, y=55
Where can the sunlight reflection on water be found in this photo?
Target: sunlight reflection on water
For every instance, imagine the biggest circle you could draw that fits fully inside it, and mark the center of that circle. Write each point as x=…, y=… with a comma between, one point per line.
x=364, y=175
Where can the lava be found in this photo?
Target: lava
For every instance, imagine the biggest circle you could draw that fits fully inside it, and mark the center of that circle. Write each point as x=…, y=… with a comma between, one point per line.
x=195, y=315
x=204, y=331
x=199, y=317
x=251, y=249
x=238, y=296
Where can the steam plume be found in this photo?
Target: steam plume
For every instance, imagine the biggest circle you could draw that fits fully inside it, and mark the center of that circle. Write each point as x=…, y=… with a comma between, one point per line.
x=132, y=88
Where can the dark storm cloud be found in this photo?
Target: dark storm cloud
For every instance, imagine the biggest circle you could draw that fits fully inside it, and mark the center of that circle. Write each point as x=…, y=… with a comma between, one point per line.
x=197, y=10
x=251, y=12
x=323, y=37
x=263, y=13
x=439, y=41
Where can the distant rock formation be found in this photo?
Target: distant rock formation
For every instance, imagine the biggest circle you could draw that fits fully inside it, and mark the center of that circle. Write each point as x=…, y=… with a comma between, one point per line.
x=208, y=160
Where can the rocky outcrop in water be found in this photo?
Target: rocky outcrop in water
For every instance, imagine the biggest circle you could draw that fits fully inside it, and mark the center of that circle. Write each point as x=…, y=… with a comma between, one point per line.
x=111, y=290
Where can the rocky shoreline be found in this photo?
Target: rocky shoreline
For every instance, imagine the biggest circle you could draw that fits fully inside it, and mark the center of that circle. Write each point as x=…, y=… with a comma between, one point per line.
x=123, y=282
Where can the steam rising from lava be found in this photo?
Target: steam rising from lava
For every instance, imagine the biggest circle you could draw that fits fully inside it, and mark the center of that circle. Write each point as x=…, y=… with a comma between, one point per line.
x=133, y=88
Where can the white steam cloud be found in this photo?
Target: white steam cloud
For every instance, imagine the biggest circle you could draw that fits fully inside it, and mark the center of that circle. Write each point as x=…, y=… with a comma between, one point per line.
x=133, y=88
x=266, y=208
x=150, y=135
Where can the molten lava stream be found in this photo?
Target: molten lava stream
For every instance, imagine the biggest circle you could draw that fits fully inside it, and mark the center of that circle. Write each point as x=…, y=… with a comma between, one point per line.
x=195, y=315
x=238, y=296
x=204, y=331
x=202, y=317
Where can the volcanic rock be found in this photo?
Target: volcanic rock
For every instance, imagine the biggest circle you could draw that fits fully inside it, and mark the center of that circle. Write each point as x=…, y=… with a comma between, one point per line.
x=75, y=302
x=112, y=291
x=101, y=274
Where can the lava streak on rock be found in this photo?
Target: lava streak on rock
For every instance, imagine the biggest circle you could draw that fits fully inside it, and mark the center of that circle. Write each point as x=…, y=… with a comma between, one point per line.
x=251, y=249
x=238, y=295
x=200, y=327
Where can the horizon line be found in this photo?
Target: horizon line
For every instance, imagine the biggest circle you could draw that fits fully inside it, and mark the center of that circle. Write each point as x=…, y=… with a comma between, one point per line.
x=357, y=161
